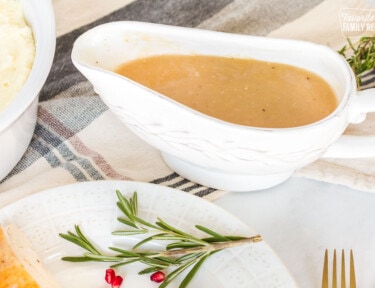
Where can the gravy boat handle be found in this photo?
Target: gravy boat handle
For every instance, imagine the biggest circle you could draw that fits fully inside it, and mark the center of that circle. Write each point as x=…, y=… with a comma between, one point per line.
x=356, y=146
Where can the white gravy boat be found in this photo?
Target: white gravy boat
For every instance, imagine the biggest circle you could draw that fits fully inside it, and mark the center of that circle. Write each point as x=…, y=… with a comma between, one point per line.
x=207, y=150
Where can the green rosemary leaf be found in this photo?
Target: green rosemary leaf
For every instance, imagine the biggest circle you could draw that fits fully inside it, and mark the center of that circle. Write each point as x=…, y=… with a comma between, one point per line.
x=126, y=222
x=182, y=245
x=235, y=238
x=169, y=227
x=123, y=263
x=72, y=234
x=149, y=270
x=216, y=235
x=170, y=237
x=134, y=203
x=187, y=257
x=148, y=239
x=171, y=276
x=125, y=253
x=169, y=260
x=129, y=232
x=230, y=238
x=193, y=271
x=154, y=262
x=165, y=225
x=76, y=259
x=144, y=222
x=102, y=258
x=73, y=238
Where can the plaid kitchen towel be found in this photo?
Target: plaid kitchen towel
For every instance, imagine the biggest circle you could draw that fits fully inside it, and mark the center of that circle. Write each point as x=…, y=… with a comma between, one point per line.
x=78, y=139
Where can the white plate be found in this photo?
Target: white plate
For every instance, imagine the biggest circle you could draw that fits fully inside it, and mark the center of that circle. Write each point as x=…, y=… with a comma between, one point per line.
x=92, y=205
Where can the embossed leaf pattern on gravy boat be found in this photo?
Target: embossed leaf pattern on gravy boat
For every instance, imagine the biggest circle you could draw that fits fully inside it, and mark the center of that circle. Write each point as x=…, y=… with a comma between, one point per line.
x=201, y=148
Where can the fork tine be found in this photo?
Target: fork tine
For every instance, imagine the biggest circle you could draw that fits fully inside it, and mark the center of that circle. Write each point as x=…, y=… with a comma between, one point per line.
x=334, y=270
x=343, y=281
x=352, y=271
x=325, y=271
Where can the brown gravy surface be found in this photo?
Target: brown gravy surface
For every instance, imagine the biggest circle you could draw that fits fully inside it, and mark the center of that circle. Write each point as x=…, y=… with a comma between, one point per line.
x=242, y=91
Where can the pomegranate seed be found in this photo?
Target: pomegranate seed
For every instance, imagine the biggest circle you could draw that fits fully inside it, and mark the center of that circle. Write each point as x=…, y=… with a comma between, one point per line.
x=109, y=275
x=116, y=283
x=157, y=277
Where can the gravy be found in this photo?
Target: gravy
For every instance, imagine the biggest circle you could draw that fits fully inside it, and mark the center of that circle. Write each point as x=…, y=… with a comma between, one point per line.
x=241, y=91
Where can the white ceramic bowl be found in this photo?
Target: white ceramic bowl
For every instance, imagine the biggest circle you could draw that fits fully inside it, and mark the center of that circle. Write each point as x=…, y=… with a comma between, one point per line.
x=18, y=119
x=201, y=148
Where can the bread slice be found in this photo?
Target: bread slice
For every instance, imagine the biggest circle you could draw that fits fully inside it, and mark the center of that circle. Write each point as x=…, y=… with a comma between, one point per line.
x=20, y=266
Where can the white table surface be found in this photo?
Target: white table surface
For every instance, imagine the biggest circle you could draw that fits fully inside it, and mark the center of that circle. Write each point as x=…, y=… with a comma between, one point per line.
x=300, y=218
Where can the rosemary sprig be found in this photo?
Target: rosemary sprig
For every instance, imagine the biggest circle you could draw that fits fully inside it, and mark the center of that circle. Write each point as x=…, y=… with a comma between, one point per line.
x=360, y=56
x=182, y=250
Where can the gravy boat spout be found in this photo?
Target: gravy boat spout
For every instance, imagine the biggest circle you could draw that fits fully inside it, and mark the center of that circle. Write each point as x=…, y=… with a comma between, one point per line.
x=201, y=148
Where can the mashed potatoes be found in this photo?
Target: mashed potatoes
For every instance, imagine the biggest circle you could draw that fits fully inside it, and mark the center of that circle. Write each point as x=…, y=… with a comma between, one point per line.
x=17, y=50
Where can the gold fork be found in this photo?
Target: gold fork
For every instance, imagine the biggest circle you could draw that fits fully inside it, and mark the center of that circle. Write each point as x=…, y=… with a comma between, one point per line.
x=352, y=280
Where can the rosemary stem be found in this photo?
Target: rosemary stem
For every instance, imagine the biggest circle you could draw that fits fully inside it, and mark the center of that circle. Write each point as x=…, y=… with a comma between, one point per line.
x=211, y=247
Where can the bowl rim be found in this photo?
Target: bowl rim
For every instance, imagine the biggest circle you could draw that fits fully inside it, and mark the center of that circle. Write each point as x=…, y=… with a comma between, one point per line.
x=40, y=16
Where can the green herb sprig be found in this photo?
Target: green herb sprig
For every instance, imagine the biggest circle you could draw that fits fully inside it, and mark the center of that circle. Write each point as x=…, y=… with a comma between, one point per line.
x=182, y=250
x=360, y=56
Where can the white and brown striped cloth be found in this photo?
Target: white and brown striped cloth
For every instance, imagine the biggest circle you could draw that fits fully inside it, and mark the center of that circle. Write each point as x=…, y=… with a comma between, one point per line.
x=78, y=139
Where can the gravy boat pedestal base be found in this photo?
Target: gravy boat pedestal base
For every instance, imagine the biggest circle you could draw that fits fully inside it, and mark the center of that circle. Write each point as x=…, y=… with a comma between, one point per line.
x=233, y=182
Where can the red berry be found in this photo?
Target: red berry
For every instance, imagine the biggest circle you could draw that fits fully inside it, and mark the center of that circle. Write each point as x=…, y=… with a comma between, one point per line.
x=116, y=283
x=109, y=276
x=157, y=277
